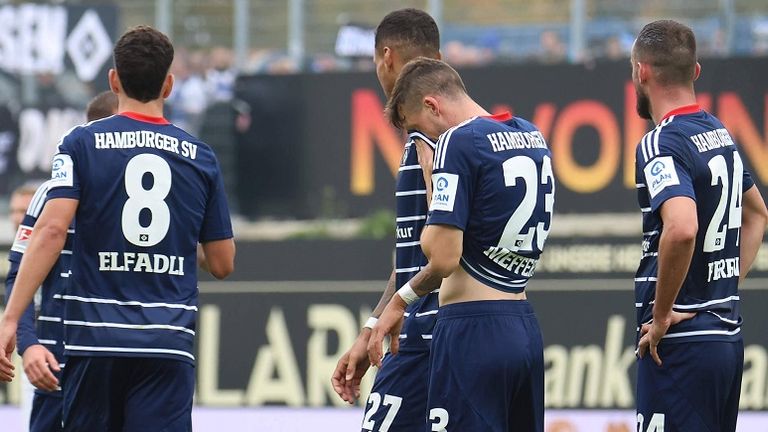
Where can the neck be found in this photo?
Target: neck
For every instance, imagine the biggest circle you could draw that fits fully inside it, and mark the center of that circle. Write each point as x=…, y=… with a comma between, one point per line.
x=153, y=108
x=467, y=108
x=670, y=98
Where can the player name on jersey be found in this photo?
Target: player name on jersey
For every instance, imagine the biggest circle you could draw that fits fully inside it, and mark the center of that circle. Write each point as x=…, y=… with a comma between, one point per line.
x=144, y=139
x=713, y=139
x=516, y=140
x=511, y=261
x=723, y=269
x=141, y=262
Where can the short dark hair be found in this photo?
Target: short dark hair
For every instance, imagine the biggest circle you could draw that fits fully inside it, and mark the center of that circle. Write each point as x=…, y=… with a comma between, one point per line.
x=102, y=105
x=411, y=30
x=670, y=48
x=142, y=58
x=420, y=77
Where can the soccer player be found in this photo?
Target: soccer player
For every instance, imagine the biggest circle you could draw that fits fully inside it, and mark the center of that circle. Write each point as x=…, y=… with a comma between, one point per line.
x=703, y=223
x=144, y=193
x=41, y=345
x=489, y=218
x=398, y=397
x=18, y=204
x=102, y=105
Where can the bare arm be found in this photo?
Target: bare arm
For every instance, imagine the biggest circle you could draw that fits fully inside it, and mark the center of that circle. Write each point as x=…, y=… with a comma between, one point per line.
x=754, y=217
x=220, y=257
x=44, y=249
x=389, y=291
x=678, y=239
x=676, y=246
x=442, y=244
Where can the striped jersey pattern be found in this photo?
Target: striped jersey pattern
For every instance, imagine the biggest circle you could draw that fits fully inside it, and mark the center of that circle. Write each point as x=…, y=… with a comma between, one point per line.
x=411, y=210
x=42, y=323
x=691, y=154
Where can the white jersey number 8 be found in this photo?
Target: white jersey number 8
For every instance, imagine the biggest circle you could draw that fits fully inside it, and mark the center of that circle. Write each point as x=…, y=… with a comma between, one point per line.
x=152, y=199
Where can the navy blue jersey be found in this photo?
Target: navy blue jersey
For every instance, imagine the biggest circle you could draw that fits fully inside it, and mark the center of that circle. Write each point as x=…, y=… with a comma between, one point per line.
x=494, y=181
x=148, y=193
x=691, y=154
x=45, y=328
x=411, y=197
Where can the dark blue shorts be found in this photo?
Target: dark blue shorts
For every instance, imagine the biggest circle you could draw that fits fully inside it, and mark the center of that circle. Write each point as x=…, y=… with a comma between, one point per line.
x=124, y=394
x=696, y=389
x=398, y=399
x=487, y=369
x=46, y=413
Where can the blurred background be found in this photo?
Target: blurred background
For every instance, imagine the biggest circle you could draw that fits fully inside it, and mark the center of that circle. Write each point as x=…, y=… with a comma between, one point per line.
x=286, y=94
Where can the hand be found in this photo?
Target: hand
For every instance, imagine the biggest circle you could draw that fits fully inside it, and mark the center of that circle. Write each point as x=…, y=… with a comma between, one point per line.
x=38, y=363
x=390, y=322
x=351, y=368
x=7, y=346
x=651, y=334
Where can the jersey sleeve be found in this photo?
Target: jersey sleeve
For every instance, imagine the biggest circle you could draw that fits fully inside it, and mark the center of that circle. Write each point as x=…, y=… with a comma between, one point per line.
x=665, y=167
x=415, y=134
x=26, y=334
x=747, y=181
x=65, y=179
x=217, y=224
x=453, y=179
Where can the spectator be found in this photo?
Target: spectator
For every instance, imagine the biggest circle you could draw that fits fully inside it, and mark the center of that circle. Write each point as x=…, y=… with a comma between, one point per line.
x=553, y=50
x=220, y=76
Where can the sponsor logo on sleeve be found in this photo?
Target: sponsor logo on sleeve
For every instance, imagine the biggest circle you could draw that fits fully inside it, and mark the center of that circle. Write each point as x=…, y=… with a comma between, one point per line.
x=660, y=173
x=62, y=171
x=444, y=192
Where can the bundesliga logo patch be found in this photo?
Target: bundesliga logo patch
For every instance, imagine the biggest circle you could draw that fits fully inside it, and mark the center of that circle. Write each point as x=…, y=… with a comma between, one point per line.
x=659, y=174
x=21, y=241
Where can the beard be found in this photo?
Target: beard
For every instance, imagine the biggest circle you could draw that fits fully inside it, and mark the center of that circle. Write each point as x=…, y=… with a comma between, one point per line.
x=643, y=105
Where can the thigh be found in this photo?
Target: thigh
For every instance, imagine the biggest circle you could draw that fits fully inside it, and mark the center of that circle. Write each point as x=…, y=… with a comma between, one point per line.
x=159, y=398
x=486, y=375
x=398, y=399
x=695, y=389
x=93, y=395
x=46, y=414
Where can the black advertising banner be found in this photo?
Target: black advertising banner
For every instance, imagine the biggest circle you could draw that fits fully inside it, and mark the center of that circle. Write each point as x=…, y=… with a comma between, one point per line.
x=276, y=343
x=53, y=59
x=319, y=144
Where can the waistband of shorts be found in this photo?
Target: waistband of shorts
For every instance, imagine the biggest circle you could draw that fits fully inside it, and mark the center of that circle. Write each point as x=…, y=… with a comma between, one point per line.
x=485, y=307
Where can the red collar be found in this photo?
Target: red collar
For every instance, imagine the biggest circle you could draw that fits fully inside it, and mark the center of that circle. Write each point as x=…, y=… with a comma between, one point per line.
x=500, y=117
x=145, y=118
x=687, y=109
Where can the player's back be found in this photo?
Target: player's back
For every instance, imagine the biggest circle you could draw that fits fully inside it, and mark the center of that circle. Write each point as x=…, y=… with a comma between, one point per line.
x=148, y=192
x=691, y=154
x=494, y=180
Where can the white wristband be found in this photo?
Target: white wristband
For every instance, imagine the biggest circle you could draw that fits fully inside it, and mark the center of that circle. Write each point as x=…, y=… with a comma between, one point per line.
x=407, y=293
x=370, y=322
